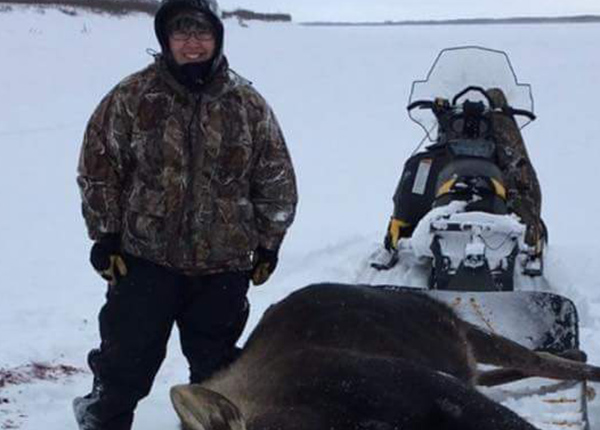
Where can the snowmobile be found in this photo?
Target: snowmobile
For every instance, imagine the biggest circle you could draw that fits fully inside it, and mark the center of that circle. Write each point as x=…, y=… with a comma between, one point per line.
x=455, y=202
x=457, y=234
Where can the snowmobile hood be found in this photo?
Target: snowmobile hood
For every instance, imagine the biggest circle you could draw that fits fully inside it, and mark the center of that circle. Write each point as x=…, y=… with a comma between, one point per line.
x=208, y=7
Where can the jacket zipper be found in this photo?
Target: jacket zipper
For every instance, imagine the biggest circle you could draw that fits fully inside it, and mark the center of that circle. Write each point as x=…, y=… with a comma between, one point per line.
x=189, y=186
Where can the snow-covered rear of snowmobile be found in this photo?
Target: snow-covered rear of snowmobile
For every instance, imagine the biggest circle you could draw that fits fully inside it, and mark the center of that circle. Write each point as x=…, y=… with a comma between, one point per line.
x=537, y=320
x=469, y=250
x=455, y=196
x=540, y=321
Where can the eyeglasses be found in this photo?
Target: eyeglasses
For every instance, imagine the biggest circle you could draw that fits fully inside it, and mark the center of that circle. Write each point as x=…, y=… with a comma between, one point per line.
x=185, y=35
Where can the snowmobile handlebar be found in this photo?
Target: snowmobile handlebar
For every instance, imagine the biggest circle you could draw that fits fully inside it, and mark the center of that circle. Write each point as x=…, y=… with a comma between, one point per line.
x=506, y=109
x=421, y=104
x=436, y=105
x=519, y=112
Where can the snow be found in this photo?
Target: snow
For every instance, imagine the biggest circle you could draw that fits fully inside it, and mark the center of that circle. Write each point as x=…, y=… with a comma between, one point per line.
x=340, y=95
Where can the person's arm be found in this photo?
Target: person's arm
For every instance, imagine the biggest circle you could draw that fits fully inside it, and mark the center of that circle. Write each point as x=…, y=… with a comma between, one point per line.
x=273, y=183
x=273, y=194
x=101, y=170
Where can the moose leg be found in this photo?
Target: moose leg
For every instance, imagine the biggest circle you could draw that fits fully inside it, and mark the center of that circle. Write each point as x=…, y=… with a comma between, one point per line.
x=494, y=349
x=495, y=377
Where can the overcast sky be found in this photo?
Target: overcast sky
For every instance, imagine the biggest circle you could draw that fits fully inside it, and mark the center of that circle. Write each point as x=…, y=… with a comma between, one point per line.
x=381, y=10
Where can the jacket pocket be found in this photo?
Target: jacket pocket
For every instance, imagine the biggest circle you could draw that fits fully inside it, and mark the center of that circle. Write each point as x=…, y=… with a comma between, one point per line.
x=145, y=222
x=234, y=161
x=233, y=232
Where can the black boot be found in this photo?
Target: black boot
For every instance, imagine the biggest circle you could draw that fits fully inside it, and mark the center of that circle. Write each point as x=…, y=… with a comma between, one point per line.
x=90, y=414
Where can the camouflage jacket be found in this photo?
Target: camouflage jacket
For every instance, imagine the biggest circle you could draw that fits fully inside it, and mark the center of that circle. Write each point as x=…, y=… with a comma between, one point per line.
x=524, y=195
x=191, y=182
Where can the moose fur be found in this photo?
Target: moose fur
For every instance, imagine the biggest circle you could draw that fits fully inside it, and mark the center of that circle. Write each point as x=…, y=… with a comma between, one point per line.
x=350, y=357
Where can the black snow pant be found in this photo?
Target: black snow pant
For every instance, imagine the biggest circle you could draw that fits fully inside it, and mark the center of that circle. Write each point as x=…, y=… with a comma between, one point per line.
x=135, y=324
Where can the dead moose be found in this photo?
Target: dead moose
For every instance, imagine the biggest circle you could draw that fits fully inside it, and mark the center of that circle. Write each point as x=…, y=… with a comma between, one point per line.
x=350, y=357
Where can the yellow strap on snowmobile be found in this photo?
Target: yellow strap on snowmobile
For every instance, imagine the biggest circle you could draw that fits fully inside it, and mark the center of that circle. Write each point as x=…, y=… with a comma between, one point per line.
x=395, y=228
x=499, y=188
x=446, y=187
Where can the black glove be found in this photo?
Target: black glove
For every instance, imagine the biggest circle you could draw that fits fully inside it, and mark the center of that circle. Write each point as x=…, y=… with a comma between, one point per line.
x=106, y=258
x=264, y=262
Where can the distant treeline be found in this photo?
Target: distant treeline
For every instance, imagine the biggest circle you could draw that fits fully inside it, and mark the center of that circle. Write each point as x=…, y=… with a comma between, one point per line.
x=248, y=15
x=124, y=7
x=480, y=21
x=111, y=7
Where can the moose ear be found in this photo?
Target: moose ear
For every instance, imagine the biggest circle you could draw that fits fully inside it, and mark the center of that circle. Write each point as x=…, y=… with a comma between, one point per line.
x=201, y=409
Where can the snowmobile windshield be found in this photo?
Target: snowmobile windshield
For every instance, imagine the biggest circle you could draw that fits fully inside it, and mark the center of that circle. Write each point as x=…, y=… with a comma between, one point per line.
x=456, y=69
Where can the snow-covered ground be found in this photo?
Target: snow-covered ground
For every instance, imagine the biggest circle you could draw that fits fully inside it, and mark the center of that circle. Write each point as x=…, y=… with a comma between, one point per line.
x=340, y=94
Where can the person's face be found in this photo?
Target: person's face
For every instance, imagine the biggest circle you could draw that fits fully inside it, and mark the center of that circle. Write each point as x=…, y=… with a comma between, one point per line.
x=192, y=46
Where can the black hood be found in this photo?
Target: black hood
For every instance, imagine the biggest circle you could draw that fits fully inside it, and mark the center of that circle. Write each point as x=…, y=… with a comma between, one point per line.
x=169, y=7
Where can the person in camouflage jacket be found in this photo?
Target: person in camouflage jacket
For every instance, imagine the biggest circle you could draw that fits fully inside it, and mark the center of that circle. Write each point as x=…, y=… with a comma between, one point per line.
x=524, y=194
x=187, y=191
